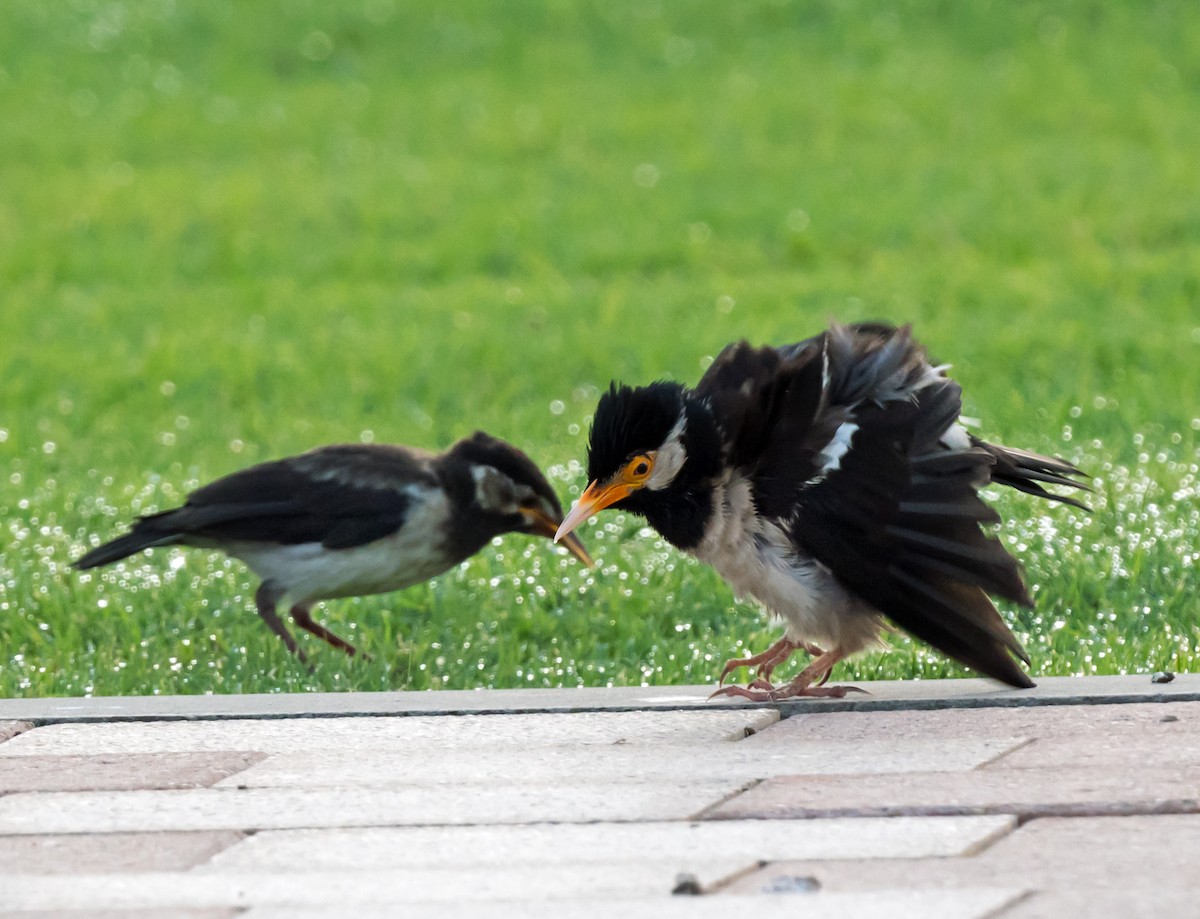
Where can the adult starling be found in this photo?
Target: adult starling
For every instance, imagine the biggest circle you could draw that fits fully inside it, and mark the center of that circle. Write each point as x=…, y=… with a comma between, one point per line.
x=832, y=481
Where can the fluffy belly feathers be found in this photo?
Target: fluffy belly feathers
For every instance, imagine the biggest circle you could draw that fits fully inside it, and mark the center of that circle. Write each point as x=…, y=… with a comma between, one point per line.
x=758, y=560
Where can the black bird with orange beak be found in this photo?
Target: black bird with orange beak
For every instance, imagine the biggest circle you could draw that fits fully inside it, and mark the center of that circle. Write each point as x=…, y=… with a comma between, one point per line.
x=354, y=519
x=832, y=481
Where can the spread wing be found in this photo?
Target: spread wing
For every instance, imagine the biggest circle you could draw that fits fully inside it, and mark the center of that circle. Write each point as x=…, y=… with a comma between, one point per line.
x=841, y=437
x=768, y=405
x=899, y=523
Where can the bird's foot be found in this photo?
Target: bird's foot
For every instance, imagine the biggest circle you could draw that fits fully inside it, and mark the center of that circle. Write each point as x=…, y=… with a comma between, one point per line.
x=761, y=691
x=810, y=683
x=766, y=661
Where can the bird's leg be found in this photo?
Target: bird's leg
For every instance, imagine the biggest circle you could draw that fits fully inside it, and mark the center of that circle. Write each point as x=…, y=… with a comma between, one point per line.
x=266, y=598
x=766, y=662
x=302, y=618
x=768, y=668
x=809, y=682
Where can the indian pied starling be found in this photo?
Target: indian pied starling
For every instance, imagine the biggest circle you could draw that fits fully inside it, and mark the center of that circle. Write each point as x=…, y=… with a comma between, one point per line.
x=354, y=519
x=833, y=482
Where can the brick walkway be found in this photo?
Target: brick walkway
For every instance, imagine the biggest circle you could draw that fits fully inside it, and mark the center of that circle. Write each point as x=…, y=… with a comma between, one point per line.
x=954, y=799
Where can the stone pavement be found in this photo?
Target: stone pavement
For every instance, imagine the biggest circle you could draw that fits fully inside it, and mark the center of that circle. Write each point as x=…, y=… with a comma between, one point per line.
x=952, y=799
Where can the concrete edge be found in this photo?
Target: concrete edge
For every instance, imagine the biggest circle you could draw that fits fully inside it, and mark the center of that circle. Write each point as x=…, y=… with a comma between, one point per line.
x=890, y=695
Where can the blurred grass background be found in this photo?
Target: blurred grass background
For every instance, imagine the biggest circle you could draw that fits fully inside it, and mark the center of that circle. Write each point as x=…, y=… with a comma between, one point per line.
x=230, y=232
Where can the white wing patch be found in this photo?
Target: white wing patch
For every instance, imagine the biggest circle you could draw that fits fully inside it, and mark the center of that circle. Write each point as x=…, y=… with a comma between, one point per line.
x=956, y=437
x=831, y=454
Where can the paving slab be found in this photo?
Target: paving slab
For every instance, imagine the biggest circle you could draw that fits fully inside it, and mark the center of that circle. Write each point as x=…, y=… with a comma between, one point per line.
x=1106, y=903
x=562, y=764
x=456, y=893
x=284, y=808
x=882, y=695
x=983, y=903
x=367, y=735
x=120, y=771
x=1061, y=791
x=1131, y=720
x=111, y=852
x=1099, y=855
x=682, y=844
x=219, y=913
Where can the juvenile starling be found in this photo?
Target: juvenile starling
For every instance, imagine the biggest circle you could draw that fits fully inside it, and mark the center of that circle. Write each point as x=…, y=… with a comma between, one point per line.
x=354, y=519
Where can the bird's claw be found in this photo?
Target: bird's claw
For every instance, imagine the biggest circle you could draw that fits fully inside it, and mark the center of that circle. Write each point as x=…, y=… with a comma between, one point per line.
x=766, y=661
x=762, y=691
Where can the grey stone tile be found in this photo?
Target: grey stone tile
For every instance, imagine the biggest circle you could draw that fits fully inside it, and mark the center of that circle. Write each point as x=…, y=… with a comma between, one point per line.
x=1104, y=903
x=1151, y=736
x=279, y=808
x=565, y=764
x=120, y=771
x=394, y=888
x=1065, y=791
x=458, y=893
x=680, y=844
x=89, y=913
x=984, y=903
x=1136, y=719
x=1098, y=857
x=111, y=852
x=294, y=735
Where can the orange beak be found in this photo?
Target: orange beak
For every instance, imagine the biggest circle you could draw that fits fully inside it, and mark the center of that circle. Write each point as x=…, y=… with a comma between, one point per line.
x=595, y=499
x=544, y=525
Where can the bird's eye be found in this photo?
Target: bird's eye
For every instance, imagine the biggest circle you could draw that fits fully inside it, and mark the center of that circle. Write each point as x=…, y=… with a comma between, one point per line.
x=639, y=467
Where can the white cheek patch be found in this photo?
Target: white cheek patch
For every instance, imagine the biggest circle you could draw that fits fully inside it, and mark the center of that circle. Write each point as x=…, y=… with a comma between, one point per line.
x=669, y=458
x=494, y=491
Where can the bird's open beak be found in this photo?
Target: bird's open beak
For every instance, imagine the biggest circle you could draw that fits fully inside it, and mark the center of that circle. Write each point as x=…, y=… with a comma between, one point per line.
x=545, y=525
x=595, y=499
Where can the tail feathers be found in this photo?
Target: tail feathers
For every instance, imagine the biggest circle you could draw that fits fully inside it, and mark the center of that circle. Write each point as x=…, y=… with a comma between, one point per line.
x=1024, y=471
x=959, y=620
x=125, y=546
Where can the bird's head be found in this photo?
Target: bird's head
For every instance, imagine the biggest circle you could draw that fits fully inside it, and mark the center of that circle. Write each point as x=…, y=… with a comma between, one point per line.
x=649, y=446
x=509, y=492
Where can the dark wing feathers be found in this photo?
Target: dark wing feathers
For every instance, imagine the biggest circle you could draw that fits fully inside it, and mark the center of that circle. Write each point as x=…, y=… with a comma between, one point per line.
x=899, y=518
x=872, y=523
x=769, y=405
x=340, y=496
x=1023, y=471
x=741, y=388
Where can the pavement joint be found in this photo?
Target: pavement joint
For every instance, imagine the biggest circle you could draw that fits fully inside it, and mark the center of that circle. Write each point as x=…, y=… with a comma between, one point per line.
x=703, y=813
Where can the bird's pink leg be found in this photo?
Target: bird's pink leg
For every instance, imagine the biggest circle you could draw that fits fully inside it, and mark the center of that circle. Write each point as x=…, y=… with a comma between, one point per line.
x=302, y=618
x=809, y=682
x=265, y=599
x=766, y=661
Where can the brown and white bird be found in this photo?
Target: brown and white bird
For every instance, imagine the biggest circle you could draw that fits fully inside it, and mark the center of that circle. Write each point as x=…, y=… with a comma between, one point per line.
x=832, y=481
x=354, y=519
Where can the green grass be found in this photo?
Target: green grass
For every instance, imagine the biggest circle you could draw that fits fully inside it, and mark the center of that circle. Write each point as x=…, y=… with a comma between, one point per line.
x=233, y=231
